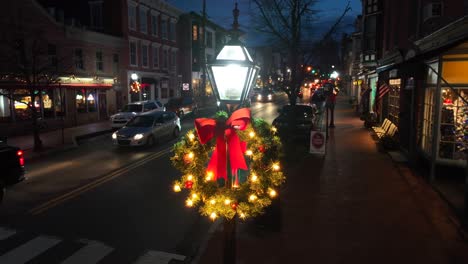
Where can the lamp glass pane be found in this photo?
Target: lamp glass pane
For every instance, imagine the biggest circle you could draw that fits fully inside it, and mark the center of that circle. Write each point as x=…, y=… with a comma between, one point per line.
x=248, y=54
x=231, y=53
x=230, y=81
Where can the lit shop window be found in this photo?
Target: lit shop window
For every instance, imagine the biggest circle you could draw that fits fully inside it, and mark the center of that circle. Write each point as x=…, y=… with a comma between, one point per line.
x=81, y=101
x=91, y=100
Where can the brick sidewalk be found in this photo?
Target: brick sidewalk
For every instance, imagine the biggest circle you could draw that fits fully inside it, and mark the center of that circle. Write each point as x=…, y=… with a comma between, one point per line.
x=355, y=205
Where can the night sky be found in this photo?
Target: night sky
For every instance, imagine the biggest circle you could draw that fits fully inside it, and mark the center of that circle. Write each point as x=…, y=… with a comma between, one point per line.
x=220, y=11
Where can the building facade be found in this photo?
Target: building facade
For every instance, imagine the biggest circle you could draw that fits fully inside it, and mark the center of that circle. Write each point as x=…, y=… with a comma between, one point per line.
x=71, y=72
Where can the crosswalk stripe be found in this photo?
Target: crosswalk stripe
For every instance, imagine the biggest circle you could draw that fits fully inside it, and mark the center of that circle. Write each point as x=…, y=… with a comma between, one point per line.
x=29, y=250
x=5, y=233
x=91, y=253
x=158, y=257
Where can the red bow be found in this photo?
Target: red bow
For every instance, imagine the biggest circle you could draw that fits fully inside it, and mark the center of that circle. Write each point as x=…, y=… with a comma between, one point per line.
x=207, y=128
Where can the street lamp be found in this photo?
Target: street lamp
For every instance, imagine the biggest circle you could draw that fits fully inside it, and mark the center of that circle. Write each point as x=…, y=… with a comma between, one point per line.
x=232, y=74
x=134, y=77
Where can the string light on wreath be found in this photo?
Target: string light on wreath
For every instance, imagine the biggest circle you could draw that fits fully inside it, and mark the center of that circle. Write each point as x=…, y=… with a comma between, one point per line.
x=238, y=192
x=135, y=87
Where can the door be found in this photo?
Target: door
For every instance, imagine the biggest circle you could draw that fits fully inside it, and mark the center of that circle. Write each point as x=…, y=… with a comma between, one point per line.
x=102, y=106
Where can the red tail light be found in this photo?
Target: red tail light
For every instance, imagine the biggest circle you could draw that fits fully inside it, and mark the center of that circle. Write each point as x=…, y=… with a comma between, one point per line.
x=19, y=153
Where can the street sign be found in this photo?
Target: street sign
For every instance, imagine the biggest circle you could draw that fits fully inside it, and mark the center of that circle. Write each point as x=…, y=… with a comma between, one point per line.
x=317, y=142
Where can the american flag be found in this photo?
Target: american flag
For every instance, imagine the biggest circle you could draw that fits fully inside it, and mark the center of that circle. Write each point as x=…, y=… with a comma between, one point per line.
x=383, y=90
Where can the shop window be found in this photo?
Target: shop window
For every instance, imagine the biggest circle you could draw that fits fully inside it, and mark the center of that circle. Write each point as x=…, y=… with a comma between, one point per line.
x=428, y=121
x=80, y=100
x=48, y=103
x=5, y=114
x=59, y=102
x=394, y=104
x=91, y=98
x=451, y=117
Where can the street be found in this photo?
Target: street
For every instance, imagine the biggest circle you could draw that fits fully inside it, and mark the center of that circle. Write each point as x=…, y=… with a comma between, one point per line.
x=118, y=202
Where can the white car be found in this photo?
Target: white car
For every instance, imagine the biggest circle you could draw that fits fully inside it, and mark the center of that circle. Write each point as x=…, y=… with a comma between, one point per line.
x=133, y=109
x=147, y=129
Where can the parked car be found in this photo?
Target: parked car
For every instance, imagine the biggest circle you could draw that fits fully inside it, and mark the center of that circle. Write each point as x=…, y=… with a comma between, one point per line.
x=300, y=115
x=11, y=166
x=131, y=110
x=182, y=106
x=147, y=129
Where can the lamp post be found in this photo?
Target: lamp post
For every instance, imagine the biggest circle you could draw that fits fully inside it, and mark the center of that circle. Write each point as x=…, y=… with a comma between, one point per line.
x=232, y=76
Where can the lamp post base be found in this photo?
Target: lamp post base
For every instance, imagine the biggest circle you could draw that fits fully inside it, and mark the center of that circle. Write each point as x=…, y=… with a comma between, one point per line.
x=229, y=241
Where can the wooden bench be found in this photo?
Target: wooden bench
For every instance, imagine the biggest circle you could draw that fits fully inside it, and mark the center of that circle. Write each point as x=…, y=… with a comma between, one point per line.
x=386, y=129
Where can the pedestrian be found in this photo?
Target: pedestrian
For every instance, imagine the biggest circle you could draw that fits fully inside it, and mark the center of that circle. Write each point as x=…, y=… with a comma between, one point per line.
x=330, y=105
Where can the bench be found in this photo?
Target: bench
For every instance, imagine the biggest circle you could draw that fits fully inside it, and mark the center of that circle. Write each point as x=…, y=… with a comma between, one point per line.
x=386, y=129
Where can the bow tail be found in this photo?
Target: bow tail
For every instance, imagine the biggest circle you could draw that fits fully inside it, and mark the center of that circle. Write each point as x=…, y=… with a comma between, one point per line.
x=217, y=163
x=236, y=154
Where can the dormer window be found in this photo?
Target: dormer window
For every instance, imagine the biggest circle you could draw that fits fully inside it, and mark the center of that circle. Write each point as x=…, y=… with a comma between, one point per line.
x=372, y=6
x=432, y=10
x=95, y=8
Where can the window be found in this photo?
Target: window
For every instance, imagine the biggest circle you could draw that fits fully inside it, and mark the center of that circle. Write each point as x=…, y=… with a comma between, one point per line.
x=154, y=24
x=194, y=32
x=143, y=20
x=164, y=28
x=80, y=101
x=133, y=53
x=209, y=39
x=91, y=100
x=165, y=58
x=155, y=57
x=96, y=14
x=115, y=63
x=47, y=96
x=144, y=55
x=99, y=61
x=132, y=16
x=432, y=10
x=79, y=64
x=173, y=61
x=172, y=31
x=372, y=6
x=52, y=53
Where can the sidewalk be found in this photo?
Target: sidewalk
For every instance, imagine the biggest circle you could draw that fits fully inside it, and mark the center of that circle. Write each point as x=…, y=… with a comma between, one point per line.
x=58, y=140
x=355, y=205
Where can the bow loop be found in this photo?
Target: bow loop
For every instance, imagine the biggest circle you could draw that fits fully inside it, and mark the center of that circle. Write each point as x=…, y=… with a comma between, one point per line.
x=226, y=140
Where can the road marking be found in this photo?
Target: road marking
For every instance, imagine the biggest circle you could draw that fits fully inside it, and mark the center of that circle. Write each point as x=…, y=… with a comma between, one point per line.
x=28, y=251
x=5, y=233
x=158, y=257
x=91, y=253
x=76, y=192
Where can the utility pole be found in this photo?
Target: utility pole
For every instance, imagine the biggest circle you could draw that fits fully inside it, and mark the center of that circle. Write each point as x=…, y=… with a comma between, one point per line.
x=203, y=50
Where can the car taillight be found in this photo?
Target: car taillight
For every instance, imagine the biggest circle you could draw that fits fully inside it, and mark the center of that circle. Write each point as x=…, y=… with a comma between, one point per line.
x=19, y=153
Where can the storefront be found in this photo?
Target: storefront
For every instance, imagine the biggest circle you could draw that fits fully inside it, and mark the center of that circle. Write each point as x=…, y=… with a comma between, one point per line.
x=443, y=106
x=70, y=102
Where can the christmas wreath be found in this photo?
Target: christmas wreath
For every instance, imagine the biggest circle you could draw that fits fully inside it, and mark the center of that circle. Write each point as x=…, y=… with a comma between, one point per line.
x=230, y=165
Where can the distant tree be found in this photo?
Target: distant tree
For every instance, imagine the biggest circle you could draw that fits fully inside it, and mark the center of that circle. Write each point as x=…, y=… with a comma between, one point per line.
x=286, y=22
x=26, y=61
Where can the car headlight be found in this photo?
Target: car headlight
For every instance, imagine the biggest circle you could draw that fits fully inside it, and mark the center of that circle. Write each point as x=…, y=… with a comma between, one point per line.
x=259, y=97
x=269, y=97
x=138, y=136
x=114, y=135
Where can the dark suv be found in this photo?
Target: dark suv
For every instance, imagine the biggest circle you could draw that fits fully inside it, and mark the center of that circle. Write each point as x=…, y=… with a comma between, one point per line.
x=182, y=106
